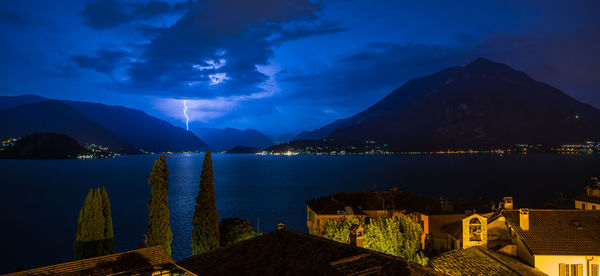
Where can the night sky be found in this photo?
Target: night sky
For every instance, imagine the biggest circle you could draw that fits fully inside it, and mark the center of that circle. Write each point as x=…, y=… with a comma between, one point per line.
x=282, y=66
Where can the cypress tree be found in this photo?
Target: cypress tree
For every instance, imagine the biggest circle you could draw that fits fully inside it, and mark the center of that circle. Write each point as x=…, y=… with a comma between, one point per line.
x=159, y=230
x=94, y=235
x=205, y=235
x=109, y=243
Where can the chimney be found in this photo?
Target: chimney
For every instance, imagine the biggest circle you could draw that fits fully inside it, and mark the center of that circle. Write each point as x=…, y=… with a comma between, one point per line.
x=524, y=219
x=508, y=202
x=356, y=235
x=280, y=225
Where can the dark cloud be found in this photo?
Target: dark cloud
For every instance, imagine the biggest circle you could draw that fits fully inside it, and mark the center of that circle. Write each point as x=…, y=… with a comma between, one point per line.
x=104, y=61
x=13, y=18
x=106, y=14
x=241, y=33
x=298, y=31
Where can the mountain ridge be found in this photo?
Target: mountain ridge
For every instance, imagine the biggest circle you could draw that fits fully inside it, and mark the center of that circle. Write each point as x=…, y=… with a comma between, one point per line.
x=482, y=104
x=134, y=127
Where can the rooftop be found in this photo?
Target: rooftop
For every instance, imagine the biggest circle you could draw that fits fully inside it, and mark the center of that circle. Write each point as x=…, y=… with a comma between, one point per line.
x=587, y=198
x=143, y=260
x=400, y=201
x=289, y=252
x=481, y=261
x=559, y=232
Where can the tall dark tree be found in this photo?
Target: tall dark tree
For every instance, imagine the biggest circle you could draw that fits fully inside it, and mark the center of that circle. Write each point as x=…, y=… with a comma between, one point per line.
x=159, y=229
x=205, y=235
x=109, y=243
x=94, y=235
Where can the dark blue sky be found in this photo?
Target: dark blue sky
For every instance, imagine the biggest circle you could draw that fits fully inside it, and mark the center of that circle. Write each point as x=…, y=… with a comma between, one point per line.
x=282, y=66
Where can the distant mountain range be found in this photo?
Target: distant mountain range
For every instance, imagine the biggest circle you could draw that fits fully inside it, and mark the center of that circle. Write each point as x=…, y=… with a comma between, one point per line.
x=44, y=146
x=228, y=138
x=124, y=130
x=484, y=104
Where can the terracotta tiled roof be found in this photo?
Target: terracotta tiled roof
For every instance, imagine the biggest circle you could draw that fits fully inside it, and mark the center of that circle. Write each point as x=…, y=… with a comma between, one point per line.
x=587, y=198
x=559, y=232
x=442, y=225
x=141, y=260
x=289, y=252
x=481, y=261
x=400, y=201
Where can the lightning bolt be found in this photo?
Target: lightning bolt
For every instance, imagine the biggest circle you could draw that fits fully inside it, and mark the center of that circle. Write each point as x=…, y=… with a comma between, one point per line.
x=187, y=119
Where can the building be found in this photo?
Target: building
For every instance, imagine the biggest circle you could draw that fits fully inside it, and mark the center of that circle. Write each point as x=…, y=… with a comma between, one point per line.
x=557, y=242
x=481, y=261
x=288, y=252
x=433, y=214
x=154, y=261
x=591, y=199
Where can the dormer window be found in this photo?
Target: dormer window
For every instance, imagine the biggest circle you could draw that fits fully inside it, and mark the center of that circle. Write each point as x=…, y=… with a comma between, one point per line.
x=475, y=230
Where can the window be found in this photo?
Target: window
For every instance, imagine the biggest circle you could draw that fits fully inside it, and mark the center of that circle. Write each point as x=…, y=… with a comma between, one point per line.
x=582, y=206
x=595, y=269
x=309, y=215
x=340, y=212
x=593, y=207
x=475, y=230
x=570, y=269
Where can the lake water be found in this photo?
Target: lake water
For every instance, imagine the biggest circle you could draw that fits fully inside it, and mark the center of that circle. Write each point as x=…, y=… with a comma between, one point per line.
x=40, y=200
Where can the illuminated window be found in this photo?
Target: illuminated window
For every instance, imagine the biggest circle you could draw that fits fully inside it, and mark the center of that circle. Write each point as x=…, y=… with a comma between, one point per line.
x=475, y=230
x=570, y=269
x=595, y=270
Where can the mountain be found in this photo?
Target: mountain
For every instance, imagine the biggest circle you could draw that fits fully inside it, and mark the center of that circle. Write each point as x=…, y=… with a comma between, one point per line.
x=282, y=138
x=140, y=129
x=242, y=149
x=7, y=102
x=483, y=104
x=56, y=116
x=130, y=126
x=43, y=146
x=224, y=139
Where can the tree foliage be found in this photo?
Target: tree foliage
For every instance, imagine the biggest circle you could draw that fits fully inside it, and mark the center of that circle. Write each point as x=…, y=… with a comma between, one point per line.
x=94, y=235
x=205, y=235
x=398, y=236
x=159, y=229
x=234, y=230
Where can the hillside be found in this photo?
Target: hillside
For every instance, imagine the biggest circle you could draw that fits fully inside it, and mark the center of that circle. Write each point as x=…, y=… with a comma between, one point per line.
x=55, y=116
x=44, y=146
x=129, y=126
x=140, y=129
x=225, y=139
x=484, y=104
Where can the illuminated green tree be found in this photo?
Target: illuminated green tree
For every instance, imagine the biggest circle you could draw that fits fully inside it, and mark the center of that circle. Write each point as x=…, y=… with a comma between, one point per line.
x=205, y=235
x=339, y=230
x=398, y=236
x=159, y=229
x=234, y=230
x=94, y=235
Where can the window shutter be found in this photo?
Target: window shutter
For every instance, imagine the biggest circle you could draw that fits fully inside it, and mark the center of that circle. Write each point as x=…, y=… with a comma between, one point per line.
x=561, y=270
x=579, y=270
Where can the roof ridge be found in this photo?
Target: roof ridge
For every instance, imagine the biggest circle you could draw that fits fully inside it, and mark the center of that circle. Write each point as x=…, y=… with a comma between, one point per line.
x=500, y=261
x=91, y=260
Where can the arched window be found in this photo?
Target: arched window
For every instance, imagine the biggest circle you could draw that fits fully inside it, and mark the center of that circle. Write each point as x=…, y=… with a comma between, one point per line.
x=475, y=229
